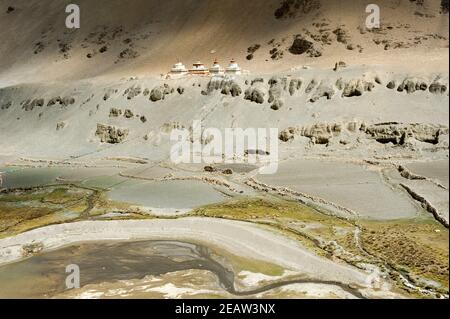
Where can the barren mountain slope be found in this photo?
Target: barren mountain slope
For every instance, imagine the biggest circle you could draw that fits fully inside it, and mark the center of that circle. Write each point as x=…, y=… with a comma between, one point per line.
x=145, y=37
x=397, y=73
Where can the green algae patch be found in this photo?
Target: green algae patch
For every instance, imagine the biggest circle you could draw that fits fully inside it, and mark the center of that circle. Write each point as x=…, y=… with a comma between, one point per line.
x=61, y=196
x=12, y=216
x=22, y=210
x=291, y=214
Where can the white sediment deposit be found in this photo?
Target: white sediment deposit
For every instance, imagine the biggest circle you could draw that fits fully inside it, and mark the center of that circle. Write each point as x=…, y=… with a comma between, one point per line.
x=243, y=239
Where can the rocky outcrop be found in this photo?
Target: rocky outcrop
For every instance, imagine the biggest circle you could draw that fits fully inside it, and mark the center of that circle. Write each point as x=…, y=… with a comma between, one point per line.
x=427, y=205
x=6, y=105
x=60, y=125
x=395, y=133
x=399, y=134
x=325, y=89
x=287, y=134
x=411, y=85
x=319, y=133
x=168, y=127
x=301, y=45
x=227, y=171
x=353, y=88
x=342, y=35
x=32, y=249
x=132, y=92
x=340, y=85
x=128, y=114
x=159, y=93
x=115, y=112
x=128, y=53
x=257, y=80
x=29, y=105
x=232, y=89
x=312, y=84
x=255, y=95
x=290, y=8
x=54, y=101
x=110, y=134
x=65, y=101
x=339, y=65
x=227, y=86
x=251, y=50
x=356, y=87
x=209, y=169
x=294, y=86
x=108, y=94
x=437, y=88
x=277, y=85
x=277, y=104
x=378, y=80
x=256, y=92
x=406, y=173
x=391, y=85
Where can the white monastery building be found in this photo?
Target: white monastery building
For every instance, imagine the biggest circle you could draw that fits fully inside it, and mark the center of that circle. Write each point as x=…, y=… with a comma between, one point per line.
x=198, y=68
x=233, y=68
x=178, y=69
x=216, y=69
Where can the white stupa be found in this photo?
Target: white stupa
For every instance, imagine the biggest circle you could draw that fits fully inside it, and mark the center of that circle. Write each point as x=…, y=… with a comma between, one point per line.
x=233, y=68
x=216, y=68
x=198, y=68
x=178, y=69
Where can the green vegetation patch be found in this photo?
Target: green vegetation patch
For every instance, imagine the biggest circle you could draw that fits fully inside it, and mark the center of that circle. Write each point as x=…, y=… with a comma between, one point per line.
x=415, y=248
x=64, y=196
x=418, y=248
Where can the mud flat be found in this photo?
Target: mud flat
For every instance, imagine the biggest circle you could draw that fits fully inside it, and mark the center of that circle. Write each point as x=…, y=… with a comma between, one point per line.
x=17, y=177
x=166, y=194
x=434, y=199
x=427, y=184
x=124, y=264
x=349, y=185
x=28, y=177
x=435, y=170
x=239, y=238
x=106, y=262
